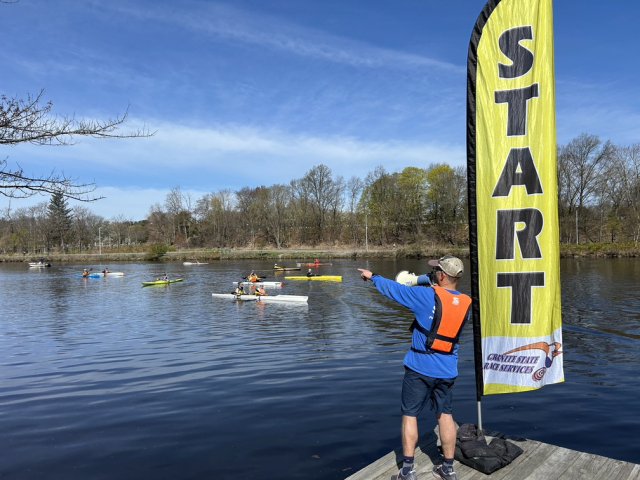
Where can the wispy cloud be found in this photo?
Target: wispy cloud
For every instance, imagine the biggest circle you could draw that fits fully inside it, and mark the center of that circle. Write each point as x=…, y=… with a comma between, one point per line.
x=243, y=26
x=186, y=146
x=607, y=109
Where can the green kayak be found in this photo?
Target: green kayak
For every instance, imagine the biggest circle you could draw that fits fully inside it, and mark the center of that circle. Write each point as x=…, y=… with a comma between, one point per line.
x=160, y=282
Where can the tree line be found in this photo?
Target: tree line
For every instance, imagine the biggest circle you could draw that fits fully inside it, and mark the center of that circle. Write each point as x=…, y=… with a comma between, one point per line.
x=598, y=201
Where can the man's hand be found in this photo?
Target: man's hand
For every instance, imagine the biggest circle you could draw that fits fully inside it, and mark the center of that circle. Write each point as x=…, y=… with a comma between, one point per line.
x=365, y=274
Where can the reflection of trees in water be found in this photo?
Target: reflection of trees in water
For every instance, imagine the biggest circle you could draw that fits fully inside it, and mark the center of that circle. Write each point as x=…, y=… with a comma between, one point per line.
x=596, y=348
x=54, y=295
x=600, y=311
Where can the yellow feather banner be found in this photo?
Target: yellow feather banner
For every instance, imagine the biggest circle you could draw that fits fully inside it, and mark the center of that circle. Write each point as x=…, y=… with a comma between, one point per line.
x=513, y=217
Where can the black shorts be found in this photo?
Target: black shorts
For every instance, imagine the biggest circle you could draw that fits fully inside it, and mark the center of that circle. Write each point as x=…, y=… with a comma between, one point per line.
x=418, y=389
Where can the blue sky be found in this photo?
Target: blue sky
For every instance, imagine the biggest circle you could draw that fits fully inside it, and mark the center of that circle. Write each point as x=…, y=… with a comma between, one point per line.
x=250, y=93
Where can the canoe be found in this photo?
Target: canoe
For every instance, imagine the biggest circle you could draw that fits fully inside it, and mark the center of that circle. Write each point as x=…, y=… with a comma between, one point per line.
x=264, y=284
x=312, y=264
x=39, y=265
x=160, y=282
x=194, y=263
x=263, y=298
x=331, y=278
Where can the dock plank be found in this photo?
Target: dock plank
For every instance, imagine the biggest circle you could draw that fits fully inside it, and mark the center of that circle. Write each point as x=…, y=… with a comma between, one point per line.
x=537, y=462
x=585, y=465
x=555, y=463
x=533, y=454
x=618, y=470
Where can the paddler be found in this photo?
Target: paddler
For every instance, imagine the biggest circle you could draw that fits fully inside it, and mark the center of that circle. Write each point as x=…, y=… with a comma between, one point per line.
x=260, y=291
x=252, y=277
x=316, y=262
x=310, y=273
x=240, y=289
x=85, y=272
x=165, y=277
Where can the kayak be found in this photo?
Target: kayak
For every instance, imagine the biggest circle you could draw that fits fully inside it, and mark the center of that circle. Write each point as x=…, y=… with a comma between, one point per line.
x=286, y=269
x=100, y=275
x=332, y=278
x=38, y=264
x=160, y=282
x=263, y=298
x=313, y=264
x=194, y=263
x=110, y=274
x=264, y=284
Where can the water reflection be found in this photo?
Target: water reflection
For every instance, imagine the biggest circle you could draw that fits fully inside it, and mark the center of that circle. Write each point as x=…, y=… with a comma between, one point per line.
x=600, y=314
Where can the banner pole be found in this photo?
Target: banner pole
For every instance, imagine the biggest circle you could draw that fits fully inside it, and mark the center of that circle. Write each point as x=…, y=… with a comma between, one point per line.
x=472, y=59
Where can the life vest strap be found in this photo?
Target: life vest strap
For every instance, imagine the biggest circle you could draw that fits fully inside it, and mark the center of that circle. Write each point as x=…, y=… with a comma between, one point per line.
x=431, y=337
x=443, y=343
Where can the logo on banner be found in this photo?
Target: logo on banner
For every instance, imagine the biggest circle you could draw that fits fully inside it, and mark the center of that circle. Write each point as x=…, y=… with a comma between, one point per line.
x=524, y=364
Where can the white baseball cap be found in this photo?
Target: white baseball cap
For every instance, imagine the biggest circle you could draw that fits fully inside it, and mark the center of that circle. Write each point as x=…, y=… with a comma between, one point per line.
x=450, y=265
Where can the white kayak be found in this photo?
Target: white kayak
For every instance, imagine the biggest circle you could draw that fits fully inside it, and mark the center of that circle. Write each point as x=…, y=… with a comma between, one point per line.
x=257, y=284
x=110, y=274
x=194, y=263
x=39, y=265
x=263, y=298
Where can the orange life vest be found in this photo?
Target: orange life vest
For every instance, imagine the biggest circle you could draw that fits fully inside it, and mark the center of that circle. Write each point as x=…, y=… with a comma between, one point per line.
x=450, y=314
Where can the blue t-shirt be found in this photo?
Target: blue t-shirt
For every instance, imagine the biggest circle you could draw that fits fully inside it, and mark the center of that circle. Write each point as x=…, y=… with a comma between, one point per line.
x=421, y=301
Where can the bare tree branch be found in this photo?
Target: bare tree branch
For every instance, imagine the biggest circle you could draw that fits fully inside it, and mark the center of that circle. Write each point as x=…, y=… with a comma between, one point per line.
x=30, y=121
x=14, y=184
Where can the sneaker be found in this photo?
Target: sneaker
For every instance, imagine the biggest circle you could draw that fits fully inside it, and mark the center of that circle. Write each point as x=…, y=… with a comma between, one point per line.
x=409, y=476
x=442, y=472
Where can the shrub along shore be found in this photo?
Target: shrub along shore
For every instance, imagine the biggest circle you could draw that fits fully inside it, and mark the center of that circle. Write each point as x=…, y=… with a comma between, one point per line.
x=206, y=255
x=591, y=250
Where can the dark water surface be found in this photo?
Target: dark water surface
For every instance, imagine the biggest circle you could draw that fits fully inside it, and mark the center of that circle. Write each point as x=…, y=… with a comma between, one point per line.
x=101, y=378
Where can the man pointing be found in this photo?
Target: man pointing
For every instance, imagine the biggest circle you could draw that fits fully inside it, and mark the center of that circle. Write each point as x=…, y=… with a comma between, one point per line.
x=431, y=364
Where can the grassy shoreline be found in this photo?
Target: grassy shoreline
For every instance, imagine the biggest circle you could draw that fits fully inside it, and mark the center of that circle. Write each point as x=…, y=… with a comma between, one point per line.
x=205, y=255
x=284, y=255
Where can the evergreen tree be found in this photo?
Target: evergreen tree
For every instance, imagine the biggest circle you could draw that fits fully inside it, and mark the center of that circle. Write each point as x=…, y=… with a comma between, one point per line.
x=60, y=218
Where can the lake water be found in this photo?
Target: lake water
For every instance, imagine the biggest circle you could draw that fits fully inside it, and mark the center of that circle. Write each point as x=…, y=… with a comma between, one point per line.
x=102, y=378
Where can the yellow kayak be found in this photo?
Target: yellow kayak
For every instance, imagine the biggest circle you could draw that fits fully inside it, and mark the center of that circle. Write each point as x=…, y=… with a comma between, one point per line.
x=160, y=282
x=331, y=278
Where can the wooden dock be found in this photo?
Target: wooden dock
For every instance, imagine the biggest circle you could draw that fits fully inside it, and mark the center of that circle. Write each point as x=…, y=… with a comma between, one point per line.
x=539, y=461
